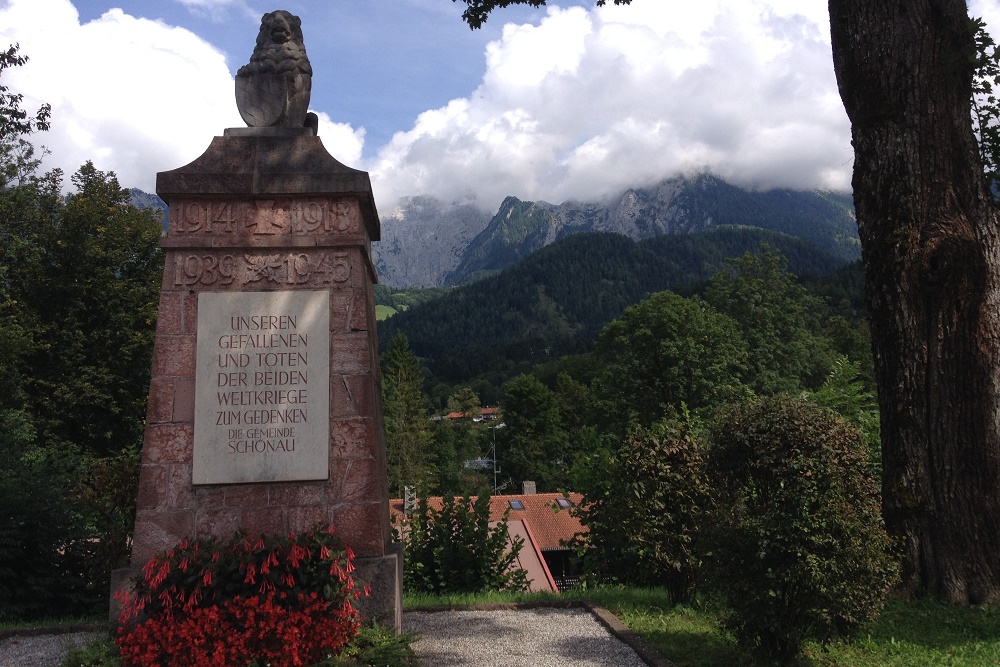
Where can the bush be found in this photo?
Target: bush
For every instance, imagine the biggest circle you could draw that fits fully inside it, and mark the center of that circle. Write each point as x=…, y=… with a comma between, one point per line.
x=454, y=550
x=644, y=512
x=797, y=544
x=282, y=601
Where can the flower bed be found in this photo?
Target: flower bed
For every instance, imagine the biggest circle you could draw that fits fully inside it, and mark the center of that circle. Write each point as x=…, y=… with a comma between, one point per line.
x=283, y=602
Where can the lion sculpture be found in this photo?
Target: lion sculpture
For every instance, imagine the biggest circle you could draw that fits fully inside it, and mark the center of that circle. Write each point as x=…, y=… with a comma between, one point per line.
x=272, y=90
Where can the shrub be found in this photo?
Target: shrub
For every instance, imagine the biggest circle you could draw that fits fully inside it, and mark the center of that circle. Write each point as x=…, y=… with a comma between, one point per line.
x=644, y=511
x=797, y=544
x=454, y=550
x=281, y=601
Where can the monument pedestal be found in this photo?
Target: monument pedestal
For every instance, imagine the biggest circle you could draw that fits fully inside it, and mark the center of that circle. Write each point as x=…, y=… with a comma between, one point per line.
x=264, y=405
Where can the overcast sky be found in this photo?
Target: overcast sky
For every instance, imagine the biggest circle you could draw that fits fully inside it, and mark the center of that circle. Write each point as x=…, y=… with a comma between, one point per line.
x=565, y=102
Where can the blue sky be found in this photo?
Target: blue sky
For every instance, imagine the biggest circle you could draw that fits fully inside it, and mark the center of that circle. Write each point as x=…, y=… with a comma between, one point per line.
x=566, y=102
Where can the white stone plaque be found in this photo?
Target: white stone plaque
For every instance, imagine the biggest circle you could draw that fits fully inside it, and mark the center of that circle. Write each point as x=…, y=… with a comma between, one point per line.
x=262, y=387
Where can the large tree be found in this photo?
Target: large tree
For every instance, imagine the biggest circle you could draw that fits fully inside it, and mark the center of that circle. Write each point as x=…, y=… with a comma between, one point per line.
x=929, y=242
x=931, y=252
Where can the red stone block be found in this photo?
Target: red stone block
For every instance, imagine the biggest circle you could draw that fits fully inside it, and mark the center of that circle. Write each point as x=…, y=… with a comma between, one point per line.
x=350, y=354
x=168, y=318
x=208, y=497
x=352, y=438
x=351, y=396
x=190, y=313
x=296, y=494
x=301, y=519
x=152, y=487
x=247, y=495
x=360, y=481
x=340, y=311
x=159, y=407
x=179, y=492
x=361, y=527
x=264, y=521
x=155, y=532
x=168, y=443
x=359, y=312
x=173, y=356
x=184, y=400
x=221, y=523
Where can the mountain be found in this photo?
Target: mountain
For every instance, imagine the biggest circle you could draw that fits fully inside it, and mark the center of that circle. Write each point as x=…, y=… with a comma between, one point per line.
x=675, y=206
x=423, y=240
x=556, y=300
x=141, y=199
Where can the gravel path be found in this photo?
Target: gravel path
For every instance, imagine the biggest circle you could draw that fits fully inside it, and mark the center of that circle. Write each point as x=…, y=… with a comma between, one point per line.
x=516, y=638
x=504, y=637
x=40, y=650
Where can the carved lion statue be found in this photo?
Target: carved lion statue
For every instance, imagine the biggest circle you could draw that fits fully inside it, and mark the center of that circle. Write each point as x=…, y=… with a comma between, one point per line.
x=273, y=88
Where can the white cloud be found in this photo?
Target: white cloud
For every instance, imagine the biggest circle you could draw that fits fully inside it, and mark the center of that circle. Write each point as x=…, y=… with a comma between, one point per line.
x=589, y=102
x=135, y=96
x=581, y=105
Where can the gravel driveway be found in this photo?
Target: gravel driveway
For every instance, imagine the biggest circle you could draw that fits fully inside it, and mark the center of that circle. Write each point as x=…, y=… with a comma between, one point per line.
x=489, y=636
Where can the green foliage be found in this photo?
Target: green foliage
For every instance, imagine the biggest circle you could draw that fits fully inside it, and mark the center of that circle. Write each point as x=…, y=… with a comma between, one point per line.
x=92, y=289
x=645, y=508
x=667, y=351
x=466, y=402
x=779, y=320
x=373, y=646
x=557, y=300
x=985, y=106
x=796, y=544
x=455, y=442
x=844, y=393
x=43, y=544
x=403, y=299
x=101, y=652
x=17, y=155
x=408, y=436
x=454, y=550
x=79, y=279
x=533, y=444
x=105, y=495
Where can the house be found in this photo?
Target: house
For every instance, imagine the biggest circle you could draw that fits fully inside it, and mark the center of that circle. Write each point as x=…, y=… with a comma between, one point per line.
x=485, y=415
x=542, y=520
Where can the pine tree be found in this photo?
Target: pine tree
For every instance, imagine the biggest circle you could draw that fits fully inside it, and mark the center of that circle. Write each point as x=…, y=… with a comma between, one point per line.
x=407, y=428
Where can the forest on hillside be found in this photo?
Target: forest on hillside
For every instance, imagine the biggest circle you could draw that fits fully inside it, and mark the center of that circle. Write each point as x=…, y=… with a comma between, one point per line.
x=555, y=302
x=604, y=348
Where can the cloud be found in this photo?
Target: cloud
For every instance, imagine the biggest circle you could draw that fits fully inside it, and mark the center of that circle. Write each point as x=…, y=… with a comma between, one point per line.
x=135, y=96
x=589, y=102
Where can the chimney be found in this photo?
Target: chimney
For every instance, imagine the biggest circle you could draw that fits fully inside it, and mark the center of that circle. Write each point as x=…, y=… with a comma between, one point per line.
x=528, y=488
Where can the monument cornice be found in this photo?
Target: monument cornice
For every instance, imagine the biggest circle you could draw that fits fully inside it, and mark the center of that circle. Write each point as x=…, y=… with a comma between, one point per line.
x=261, y=165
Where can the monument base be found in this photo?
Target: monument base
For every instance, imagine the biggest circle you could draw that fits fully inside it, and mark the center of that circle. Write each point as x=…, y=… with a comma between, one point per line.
x=384, y=575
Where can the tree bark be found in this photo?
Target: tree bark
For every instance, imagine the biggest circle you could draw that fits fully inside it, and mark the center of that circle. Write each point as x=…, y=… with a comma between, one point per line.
x=931, y=252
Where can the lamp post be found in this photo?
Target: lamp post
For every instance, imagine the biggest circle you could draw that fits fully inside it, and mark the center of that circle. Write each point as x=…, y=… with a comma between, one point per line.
x=493, y=454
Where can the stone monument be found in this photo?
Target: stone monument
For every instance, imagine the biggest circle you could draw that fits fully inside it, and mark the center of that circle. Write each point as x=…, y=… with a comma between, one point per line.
x=264, y=405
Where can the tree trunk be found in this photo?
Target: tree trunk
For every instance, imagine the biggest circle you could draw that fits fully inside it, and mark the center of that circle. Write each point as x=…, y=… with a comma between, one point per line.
x=931, y=252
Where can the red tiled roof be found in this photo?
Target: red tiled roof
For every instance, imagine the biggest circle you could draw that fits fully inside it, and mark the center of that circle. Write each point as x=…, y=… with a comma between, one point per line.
x=547, y=526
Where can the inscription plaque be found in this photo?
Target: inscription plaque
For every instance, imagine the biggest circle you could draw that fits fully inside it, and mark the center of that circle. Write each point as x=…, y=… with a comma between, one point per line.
x=262, y=387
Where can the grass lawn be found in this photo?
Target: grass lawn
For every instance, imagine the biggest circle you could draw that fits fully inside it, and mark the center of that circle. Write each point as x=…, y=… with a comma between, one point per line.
x=908, y=634
x=384, y=312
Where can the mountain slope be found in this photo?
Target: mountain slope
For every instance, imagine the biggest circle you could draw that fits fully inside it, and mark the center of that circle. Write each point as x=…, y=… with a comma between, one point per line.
x=557, y=300
x=676, y=206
